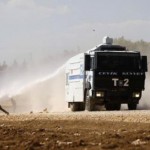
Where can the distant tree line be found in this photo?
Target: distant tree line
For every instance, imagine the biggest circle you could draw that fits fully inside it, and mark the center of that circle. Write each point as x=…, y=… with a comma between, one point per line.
x=137, y=45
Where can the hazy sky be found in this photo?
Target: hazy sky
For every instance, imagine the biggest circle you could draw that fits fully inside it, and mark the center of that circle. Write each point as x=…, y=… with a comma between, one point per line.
x=41, y=27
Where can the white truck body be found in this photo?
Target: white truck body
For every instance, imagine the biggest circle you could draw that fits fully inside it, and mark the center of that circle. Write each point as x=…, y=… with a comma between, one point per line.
x=74, y=88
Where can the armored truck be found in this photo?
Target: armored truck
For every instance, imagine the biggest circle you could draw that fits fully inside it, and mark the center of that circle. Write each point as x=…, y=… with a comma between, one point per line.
x=108, y=75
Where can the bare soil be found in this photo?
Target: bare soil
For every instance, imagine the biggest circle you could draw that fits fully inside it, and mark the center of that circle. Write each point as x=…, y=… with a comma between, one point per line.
x=71, y=131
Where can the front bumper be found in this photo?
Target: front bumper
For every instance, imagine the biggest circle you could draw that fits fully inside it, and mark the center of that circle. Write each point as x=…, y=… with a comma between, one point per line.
x=119, y=96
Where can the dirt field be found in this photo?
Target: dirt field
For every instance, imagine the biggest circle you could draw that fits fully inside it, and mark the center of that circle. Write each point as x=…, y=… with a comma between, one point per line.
x=81, y=130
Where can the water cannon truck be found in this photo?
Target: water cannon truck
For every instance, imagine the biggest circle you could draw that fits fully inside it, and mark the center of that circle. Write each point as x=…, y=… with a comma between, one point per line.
x=108, y=75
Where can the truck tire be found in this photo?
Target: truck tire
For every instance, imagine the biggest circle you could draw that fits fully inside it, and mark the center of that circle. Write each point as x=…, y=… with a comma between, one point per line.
x=111, y=106
x=74, y=106
x=89, y=104
x=132, y=106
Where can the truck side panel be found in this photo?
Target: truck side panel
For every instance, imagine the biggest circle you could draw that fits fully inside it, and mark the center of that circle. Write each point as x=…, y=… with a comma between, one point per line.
x=75, y=79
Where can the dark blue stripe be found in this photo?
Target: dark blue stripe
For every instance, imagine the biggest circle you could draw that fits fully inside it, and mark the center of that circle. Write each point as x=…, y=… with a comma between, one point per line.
x=73, y=77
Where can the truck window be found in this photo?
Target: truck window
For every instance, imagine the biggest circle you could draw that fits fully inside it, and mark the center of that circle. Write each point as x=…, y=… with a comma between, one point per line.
x=118, y=62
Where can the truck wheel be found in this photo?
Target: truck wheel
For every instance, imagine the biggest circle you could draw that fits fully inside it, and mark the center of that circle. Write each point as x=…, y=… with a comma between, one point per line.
x=132, y=106
x=89, y=104
x=74, y=106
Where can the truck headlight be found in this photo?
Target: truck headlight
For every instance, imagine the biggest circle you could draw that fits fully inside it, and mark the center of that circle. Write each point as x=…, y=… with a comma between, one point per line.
x=136, y=94
x=99, y=94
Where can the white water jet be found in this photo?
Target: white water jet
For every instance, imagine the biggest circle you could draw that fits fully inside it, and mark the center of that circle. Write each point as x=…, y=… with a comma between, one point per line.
x=36, y=95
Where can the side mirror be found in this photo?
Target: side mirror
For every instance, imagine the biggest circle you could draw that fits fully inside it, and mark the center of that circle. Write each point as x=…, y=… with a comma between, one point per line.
x=87, y=62
x=144, y=63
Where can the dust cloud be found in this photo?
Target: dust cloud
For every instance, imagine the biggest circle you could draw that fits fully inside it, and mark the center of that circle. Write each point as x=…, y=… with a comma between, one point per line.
x=45, y=93
x=37, y=93
x=144, y=103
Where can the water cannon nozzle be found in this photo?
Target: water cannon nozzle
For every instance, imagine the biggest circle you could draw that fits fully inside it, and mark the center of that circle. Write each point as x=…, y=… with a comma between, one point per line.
x=107, y=40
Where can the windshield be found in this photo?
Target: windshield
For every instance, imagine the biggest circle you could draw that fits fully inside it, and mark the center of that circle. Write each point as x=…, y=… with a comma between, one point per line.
x=118, y=61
